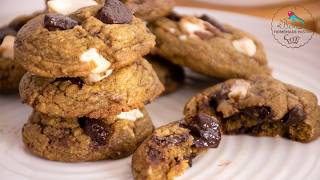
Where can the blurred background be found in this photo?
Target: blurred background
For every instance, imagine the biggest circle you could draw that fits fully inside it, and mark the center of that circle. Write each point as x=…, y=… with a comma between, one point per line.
x=259, y=8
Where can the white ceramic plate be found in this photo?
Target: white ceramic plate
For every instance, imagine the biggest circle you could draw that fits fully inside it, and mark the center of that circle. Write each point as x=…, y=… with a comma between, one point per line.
x=238, y=157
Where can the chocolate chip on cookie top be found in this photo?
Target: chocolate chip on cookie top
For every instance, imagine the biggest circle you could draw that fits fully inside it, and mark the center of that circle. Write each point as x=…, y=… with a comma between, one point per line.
x=115, y=12
x=58, y=22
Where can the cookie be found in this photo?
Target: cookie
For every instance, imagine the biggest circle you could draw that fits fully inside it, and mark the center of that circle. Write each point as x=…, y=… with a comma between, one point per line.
x=127, y=88
x=171, y=76
x=260, y=106
x=209, y=48
x=10, y=71
x=89, y=42
x=169, y=151
x=85, y=139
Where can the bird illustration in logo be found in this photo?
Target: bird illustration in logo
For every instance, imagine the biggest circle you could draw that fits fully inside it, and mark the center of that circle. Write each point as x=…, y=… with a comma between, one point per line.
x=294, y=18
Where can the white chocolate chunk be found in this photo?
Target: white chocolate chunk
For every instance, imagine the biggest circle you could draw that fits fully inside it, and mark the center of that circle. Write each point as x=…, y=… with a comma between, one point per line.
x=93, y=55
x=99, y=77
x=7, y=46
x=172, y=30
x=66, y=7
x=245, y=46
x=131, y=115
x=183, y=37
x=190, y=26
x=239, y=89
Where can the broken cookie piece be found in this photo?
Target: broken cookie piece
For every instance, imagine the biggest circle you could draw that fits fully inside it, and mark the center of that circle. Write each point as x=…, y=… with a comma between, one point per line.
x=260, y=106
x=169, y=151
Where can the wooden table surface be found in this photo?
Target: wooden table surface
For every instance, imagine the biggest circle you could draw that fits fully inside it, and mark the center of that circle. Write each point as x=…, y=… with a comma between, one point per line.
x=264, y=11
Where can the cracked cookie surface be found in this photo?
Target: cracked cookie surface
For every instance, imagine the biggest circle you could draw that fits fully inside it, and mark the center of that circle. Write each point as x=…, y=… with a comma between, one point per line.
x=84, y=139
x=260, y=106
x=88, y=46
x=171, y=75
x=127, y=88
x=209, y=48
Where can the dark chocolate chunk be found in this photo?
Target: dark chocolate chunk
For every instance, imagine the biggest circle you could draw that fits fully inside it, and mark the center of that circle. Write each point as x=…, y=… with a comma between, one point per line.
x=5, y=31
x=170, y=140
x=55, y=22
x=174, y=16
x=155, y=155
x=214, y=23
x=76, y=80
x=206, y=131
x=258, y=113
x=96, y=129
x=294, y=116
x=115, y=12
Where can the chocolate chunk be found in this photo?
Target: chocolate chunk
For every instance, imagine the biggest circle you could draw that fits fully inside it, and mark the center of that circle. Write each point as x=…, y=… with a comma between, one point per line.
x=5, y=31
x=206, y=131
x=204, y=35
x=96, y=129
x=294, y=116
x=258, y=113
x=174, y=16
x=214, y=23
x=170, y=140
x=76, y=80
x=155, y=155
x=115, y=12
x=55, y=22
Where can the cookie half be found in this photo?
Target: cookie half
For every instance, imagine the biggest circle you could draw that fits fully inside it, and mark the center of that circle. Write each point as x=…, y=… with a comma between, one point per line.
x=85, y=139
x=169, y=151
x=260, y=106
x=125, y=89
x=171, y=75
x=209, y=48
x=88, y=42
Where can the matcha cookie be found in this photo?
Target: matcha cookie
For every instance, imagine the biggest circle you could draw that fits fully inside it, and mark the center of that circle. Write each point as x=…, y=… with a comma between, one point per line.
x=127, y=88
x=10, y=71
x=171, y=76
x=85, y=139
x=260, y=106
x=169, y=151
x=87, y=43
x=207, y=47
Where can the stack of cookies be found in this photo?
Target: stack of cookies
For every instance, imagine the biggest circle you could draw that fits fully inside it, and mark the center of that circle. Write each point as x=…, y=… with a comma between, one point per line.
x=87, y=82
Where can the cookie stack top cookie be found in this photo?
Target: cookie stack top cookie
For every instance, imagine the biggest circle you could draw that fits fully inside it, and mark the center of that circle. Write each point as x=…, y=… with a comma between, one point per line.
x=88, y=62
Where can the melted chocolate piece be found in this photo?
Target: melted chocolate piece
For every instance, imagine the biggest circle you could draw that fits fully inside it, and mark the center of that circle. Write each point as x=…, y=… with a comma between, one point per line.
x=294, y=116
x=206, y=131
x=190, y=158
x=214, y=23
x=76, y=80
x=5, y=31
x=96, y=129
x=55, y=22
x=154, y=155
x=115, y=12
x=170, y=140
